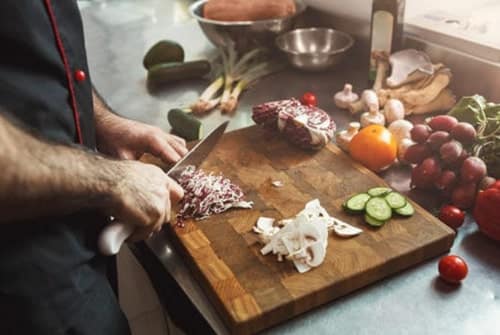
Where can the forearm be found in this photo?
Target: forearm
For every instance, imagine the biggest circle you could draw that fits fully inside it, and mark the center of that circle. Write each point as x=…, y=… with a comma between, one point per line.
x=40, y=178
x=103, y=115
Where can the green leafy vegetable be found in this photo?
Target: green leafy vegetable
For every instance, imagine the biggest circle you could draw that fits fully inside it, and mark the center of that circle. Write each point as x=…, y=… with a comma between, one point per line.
x=485, y=117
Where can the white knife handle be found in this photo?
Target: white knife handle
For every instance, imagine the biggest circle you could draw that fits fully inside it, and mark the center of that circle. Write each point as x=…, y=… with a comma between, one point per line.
x=113, y=236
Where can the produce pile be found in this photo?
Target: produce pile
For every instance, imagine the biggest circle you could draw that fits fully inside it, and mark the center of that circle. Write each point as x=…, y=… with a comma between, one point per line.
x=207, y=194
x=308, y=127
x=415, y=86
x=442, y=159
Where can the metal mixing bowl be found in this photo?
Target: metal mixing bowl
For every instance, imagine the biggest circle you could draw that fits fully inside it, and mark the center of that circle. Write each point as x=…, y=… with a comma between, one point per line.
x=245, y=34
x=315, y=49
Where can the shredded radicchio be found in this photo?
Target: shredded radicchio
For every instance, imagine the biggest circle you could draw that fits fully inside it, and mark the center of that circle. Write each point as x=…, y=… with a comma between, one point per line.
x=207, y=194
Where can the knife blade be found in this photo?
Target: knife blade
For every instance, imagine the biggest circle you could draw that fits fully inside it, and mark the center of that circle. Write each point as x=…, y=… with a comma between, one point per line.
x=114, y=235
x=199, y=152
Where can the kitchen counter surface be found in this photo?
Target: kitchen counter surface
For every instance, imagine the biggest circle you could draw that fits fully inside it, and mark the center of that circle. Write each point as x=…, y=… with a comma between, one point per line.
x=412, y=302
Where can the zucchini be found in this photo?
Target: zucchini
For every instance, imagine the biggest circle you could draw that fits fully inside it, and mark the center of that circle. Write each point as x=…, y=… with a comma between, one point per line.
x=379, y=191
x=169, y=72
x=164, y=51
x=185, y=125
x=357, y=203
x=378, y=209
x=373, y=222
x=406, y=210
x=395, y=200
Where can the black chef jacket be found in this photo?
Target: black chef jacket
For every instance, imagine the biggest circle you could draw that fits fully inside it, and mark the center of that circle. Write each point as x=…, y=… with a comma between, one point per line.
x=52, y=280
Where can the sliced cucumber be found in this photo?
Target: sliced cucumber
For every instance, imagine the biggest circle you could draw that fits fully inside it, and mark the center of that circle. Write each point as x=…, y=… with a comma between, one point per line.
x=395, y=200
x=373, y=222
x=379, y=191
x=378, y=209
x=406, y=210
x=185, y=125
x=357, y=203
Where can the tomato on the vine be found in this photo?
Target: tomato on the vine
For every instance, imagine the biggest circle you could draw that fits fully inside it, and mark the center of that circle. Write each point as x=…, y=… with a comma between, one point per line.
x=452, y=216
x=452, y=269
x=309, y=99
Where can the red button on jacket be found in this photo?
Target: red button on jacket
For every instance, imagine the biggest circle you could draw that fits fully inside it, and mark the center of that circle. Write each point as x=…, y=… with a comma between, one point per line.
x=80, y=75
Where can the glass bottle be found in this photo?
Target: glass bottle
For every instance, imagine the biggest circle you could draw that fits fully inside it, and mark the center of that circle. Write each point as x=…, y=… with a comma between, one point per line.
x=386, y=33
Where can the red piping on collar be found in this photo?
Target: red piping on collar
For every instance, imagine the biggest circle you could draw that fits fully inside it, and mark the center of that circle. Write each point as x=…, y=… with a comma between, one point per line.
x=67, y=69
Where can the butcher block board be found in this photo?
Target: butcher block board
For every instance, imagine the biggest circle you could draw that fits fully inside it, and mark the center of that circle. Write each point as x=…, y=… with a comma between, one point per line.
x=251, y=291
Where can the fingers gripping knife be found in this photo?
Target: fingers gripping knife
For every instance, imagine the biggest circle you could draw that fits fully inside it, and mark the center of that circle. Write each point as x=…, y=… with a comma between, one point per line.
x=116, y=233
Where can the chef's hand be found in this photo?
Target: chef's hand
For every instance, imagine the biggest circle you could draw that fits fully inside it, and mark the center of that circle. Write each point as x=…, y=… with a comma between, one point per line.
x=143, y=196
x=128, y=139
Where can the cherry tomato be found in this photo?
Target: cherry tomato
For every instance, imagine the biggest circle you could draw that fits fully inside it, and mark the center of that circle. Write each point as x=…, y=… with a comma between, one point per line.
x=452, y=216
x=309, y=99
x=452, y=269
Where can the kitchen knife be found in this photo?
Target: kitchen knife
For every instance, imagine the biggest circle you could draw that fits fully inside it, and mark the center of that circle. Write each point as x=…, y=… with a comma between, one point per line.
x=114, y=235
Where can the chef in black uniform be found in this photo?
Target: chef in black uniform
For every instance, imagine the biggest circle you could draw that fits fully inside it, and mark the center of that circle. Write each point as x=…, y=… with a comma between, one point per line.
x=56, y=191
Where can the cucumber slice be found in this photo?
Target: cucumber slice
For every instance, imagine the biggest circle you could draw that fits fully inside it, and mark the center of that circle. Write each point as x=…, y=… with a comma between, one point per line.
x=373, y=222
x=185, y=125
x=395, y=200
x=379, y=191
x=406, y=210
x=378, y=209
x=357, y=203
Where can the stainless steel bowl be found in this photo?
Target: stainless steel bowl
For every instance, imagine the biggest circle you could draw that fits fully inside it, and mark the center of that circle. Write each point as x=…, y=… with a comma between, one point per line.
x=315, y=49
x=245, y=34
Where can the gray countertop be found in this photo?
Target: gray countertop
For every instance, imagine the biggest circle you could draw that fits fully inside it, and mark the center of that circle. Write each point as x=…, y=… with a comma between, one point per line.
x=412, y=302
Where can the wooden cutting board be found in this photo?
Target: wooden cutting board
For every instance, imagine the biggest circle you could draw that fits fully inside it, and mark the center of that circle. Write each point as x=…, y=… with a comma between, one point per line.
x=253, y=292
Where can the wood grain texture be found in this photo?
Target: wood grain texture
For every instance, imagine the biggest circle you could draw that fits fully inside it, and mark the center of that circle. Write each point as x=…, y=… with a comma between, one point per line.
x=253, y=292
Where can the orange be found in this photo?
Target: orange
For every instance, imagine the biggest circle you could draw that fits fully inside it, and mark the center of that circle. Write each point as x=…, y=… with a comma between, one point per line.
x=375, y=147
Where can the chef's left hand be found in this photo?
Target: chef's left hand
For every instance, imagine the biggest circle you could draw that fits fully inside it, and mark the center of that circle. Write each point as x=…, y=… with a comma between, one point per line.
x=128, y=139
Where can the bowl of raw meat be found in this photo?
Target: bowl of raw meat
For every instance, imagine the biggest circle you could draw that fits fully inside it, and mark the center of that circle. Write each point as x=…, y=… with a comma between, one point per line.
x=246, y=24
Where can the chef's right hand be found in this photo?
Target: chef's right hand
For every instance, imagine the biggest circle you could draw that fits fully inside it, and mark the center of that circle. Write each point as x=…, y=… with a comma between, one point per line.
x=143, y=197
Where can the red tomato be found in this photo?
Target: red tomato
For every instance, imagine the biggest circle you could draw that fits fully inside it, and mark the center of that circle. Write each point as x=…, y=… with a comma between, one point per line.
x=452, y=216
x=309, y=99
x=452, y=269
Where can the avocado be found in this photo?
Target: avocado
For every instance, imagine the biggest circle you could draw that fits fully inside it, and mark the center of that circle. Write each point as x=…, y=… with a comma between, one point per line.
x=164, y=51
